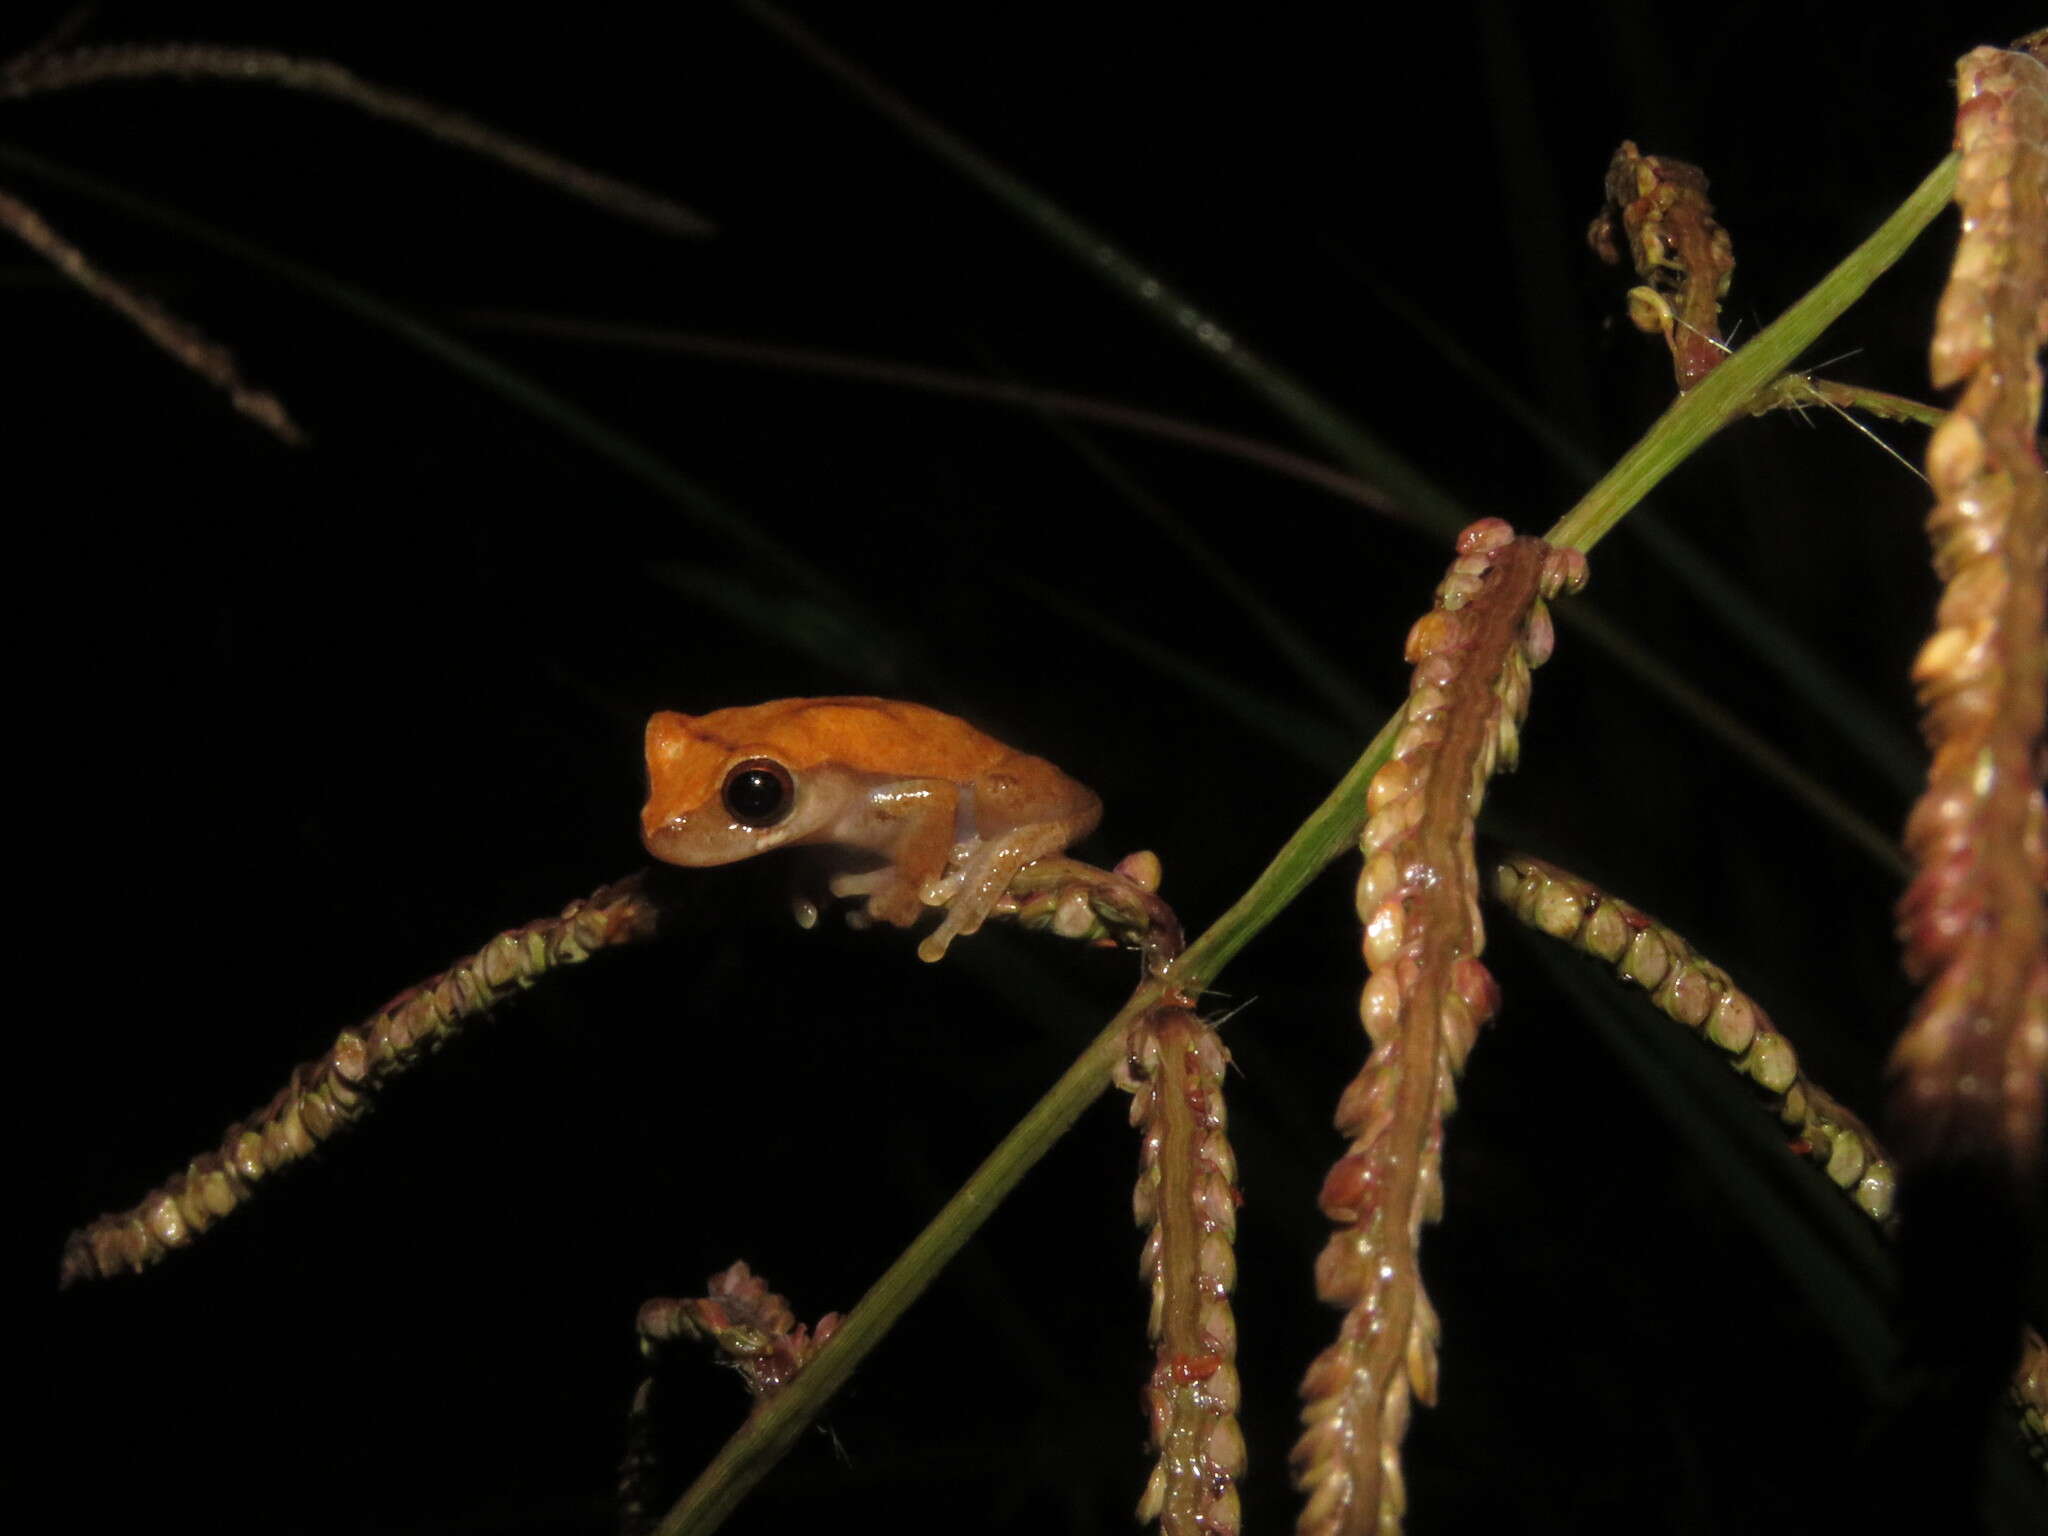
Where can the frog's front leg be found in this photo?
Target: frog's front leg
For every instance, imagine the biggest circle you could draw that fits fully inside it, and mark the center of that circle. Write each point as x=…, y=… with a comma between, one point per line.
x=919, y=818
x=881, y=894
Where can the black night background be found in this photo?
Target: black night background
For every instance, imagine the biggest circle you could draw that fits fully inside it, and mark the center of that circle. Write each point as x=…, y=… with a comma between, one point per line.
x=302, y=725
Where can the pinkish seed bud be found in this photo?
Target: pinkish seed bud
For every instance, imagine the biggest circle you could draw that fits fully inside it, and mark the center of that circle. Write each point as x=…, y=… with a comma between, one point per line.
x=1554, y=907
x=1771, y=1064
x=1539, y=635
x=1379, y=1006
x=1422, y=1364
x=1733, y=1024
x=1142, y=869
x=1686, y=996
x=1392, y=824
x=1073, y=915
x=1648, y=960
x=1394, y=780
x=1347, y=1188
x=1153, y=1501
x=164, y=1221
x=1433, y=634
x=1486, y=534
x=1326, y=1495
x=1436, y=672
x=1473, y=982
x=1222, y=1392
x=1564, y=570
x=1226, y=1449
x=1383, y=933
x=1218, y=1263
x=1218, y=1327
x=1362, y=1111
x=1377, y=881
x=1343, y=1272
x=1606, y=933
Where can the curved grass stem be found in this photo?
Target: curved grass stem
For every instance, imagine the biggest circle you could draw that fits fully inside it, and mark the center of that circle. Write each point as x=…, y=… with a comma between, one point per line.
x=1328, y=831
x=1416, y=498
x=43, y=71
x=1732, y=388
x=1331, y=829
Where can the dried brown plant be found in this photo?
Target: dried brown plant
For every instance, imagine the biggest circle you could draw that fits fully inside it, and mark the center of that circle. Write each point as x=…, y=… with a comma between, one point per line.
x=1684, y=258
x=1186, y=1200
x=47, y=70
x=1695, y=992
x=1429, y=994
x=1972, y=1066
x=326, y=1096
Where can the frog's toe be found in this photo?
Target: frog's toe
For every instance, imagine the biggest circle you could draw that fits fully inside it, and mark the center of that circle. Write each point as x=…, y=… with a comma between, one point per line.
x=896, y=905
x=934, y=944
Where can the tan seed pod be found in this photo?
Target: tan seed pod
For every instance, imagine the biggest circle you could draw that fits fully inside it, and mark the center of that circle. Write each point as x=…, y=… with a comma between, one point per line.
x=1970, y=1072
x=323, y=1097
x=1187, y=1200
x=1422, y=1007
x=1667, y=226
x=1695, y=992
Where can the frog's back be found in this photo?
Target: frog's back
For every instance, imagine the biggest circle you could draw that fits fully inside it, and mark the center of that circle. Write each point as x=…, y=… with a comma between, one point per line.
x=886, y=736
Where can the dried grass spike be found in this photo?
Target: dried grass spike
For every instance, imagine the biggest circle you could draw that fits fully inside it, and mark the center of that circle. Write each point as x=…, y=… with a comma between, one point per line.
x=2030, y=1391
x=44, y=71
x=183, y=342
x=748, y=1326
x=745, y=1326
x=1076, y=900
x=1422, y=1007
x=1683, y=256
x=1695, y=992
x=1970, y=1070
x=1187, y=1199
x=322, y=1097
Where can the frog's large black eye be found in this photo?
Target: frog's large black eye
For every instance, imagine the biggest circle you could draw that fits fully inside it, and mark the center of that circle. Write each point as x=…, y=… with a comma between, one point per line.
x=759, y=792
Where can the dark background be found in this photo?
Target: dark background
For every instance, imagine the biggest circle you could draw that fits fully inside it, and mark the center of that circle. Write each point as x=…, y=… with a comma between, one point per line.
x=305, y=724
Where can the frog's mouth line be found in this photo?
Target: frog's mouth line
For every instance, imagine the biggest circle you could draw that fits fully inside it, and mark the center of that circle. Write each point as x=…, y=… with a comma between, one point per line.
x=694, y=843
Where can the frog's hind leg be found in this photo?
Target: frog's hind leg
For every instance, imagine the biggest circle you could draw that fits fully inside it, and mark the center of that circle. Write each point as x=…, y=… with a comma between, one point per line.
x=987, y=876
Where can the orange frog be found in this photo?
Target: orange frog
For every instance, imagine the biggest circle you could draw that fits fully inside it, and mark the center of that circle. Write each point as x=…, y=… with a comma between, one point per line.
x=913, y=808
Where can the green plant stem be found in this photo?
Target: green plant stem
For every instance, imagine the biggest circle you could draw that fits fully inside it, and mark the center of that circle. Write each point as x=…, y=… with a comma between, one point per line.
x=1730, y=389
x=773, y=1428
x=876, y=654
x=1330, y=830
x=1893, y=753
x=1797, y=392
x=1719, y=399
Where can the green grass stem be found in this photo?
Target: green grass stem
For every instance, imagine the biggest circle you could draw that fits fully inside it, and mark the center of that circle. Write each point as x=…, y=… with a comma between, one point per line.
x=1330, y=830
